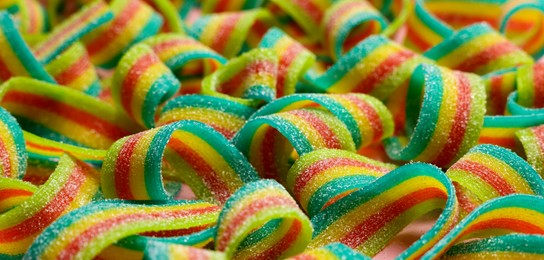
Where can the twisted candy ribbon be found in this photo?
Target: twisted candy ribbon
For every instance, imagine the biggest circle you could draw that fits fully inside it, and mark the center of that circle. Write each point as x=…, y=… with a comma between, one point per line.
x=202, y=157
x=262, y=220
x=12, y=147
x=72, y=185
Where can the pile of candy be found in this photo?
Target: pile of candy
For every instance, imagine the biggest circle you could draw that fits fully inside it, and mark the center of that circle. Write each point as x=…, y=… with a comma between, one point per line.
x=312, y=129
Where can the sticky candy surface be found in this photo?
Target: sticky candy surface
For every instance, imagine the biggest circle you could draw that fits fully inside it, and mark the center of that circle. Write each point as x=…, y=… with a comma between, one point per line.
x=281, y=129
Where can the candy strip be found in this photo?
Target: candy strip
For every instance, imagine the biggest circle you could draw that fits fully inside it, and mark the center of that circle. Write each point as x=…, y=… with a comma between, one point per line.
x=12, y=147
x=308, y=14
x=247, y=79
x=529, y=97
x=501, y=130
x=225, y=116
x=269, y=141
x=219, y=6
x=74, y=69
x=532, y=140
x=423, y=30
x=227, y=33
x=44, y=155
x=264, y=211
x=293, y=60
x=16, y=58
x=376, y=66
x=511, y=214
x=320, y=178
x=185, y=56
x=488, y=172
x=440, y=132
x=13, y=192
x=72, y=185
x=172, y=20
x=514, y=246
x=369, y=218
x=85, y=232
x=498, y=86
x=33, y=17
x=173, y=251
x=367, y=119
x=479, y=49
x=330, y=251
x=521, y=22
x=64, y=114
x=141, y=82
x=133, y=21
x=204, y=159
x=348, y=22
x=69, y=31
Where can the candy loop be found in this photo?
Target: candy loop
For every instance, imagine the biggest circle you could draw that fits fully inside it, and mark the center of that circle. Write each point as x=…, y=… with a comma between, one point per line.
x=293, y=60
x=498, y=87
x=330, y=251
x=369, y=218
x=262, y=220
x=202, y=157
x=479, y=49
x=511, y=214
x=140, y=83
x=73, y=69
x=367, y=119
x=522, y=21
x=16, y=58
x=85, y=232
x=32, y=17
x=88, y=19
x=347, y=22
x=308, y=14
x=72, y=185
x=185, y=56
x=423, y=29
x=488, y=172
x=376, y=66
x=13, y=155
x=133, y=22
x=173, y=251
x=440, y=132
x=64, y=114
x=269, y=141
x=532, y=140
x=318, y=179
x=248, y=79
x=172, y=19
x=233, y=32
x=225, y=116
x=501, y=130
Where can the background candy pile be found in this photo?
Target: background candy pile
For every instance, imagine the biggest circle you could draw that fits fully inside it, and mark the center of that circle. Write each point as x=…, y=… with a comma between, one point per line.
x=313, y=129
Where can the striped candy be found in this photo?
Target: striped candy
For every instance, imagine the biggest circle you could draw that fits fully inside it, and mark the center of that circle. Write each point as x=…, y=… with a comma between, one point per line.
x=521, y=214
x=498, y=86
x=13, y=192
x=334, y=251
x=423, y=30
x=248, y=79
x=199, y=155
x=348, y=22
x=440, y=130
x=233, y=32
x=223, y=115
x=269, y=142
x=219, y=6
x=262, y=220
x=293, y=60
x=140, y=83
x=133, y=21
x=318, y=179
x=501, y=130
x=376, y=66
x=173, y=251
x=479, y=49
x=16, y=58
x=72, y=185
x=44, y=155
x=32, y=16
x=13, y=155
x=308, y=14
x=367, y=119
x=64, y=114
x=530, y=89
x=488, y=172
x=369, y=218
x=532, y=140
x=521, y=22
x=73, y=69
x=72, y=29
x=85, y=232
